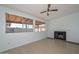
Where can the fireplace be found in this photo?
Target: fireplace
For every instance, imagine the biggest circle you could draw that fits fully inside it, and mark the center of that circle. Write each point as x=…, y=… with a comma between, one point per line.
x=60, y=35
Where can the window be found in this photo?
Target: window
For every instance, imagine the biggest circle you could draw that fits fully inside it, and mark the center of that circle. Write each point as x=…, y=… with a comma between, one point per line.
x=16, y=24
x=24, y=26
x=39, y=26
x=29, y=26
x=42, y=27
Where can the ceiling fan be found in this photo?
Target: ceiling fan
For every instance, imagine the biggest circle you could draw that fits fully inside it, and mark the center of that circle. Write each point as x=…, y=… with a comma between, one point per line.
x=49, y=10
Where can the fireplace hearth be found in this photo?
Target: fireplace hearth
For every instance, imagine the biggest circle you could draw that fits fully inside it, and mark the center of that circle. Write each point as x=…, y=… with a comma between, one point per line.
x=60, y=35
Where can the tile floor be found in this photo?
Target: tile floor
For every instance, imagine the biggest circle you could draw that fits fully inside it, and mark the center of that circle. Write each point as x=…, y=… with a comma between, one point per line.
x=46, y=46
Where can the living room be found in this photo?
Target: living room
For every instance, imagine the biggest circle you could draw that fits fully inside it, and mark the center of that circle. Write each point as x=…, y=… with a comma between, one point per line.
x=22, y=24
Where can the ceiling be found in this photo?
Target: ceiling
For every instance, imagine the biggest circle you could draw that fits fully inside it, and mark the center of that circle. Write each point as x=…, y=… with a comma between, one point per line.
x=35, y=9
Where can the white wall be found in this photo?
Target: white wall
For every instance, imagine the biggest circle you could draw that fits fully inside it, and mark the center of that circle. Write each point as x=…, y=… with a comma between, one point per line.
x=69, y=23
x=11, y=40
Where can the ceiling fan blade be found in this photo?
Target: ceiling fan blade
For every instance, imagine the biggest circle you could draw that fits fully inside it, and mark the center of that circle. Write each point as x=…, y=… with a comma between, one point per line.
x=48, y=7
x=54, y=10
x=47, y=14
x=43, y=12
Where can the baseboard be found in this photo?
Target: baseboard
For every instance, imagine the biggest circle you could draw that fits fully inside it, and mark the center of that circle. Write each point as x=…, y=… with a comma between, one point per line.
x=49, y=38
x=72, y=42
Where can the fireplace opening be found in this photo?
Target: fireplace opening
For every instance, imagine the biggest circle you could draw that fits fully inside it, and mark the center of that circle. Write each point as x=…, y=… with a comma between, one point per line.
x=60, y=35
